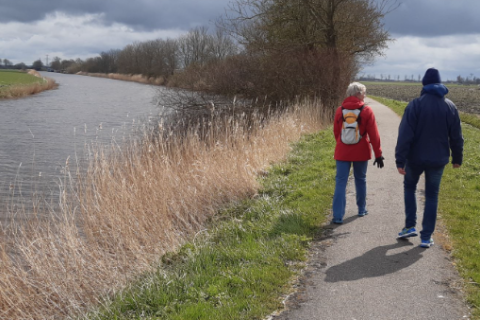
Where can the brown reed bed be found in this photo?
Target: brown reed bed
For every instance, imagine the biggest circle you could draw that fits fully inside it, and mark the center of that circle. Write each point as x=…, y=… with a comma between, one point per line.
x=135, y=203
x=158, y=81
x=24, y=90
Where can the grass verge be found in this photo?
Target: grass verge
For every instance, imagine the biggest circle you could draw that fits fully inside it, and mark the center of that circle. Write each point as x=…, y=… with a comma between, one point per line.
x=17, y=84
x=459, y=205
x=14, y=77
x=239, y=267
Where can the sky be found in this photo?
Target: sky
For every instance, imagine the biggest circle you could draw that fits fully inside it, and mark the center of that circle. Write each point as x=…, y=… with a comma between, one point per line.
x=444, y=34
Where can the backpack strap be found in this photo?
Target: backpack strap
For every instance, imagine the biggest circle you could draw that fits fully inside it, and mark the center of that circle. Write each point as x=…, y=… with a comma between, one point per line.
x=359, y=119
x=361, y=109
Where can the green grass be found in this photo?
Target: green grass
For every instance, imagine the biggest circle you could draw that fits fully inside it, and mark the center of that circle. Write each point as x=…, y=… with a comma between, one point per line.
x=241, y=267
x=459, y=205
x=14, y=77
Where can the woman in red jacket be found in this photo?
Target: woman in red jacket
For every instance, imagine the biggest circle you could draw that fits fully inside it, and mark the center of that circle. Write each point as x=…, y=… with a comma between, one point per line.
x=357, y=154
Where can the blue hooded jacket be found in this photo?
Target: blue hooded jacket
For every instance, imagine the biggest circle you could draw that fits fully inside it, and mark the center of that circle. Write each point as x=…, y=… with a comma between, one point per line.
x=429, y=130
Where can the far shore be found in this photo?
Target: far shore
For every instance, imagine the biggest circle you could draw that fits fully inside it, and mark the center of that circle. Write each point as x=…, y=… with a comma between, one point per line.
x=159, y=81
x=20, y=90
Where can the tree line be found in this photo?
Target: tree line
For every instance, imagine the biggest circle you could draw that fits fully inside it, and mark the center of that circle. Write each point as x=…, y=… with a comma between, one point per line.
x=278, y=49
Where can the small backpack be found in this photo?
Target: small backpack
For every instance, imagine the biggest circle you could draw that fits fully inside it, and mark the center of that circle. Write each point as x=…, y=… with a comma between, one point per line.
x=350, y=129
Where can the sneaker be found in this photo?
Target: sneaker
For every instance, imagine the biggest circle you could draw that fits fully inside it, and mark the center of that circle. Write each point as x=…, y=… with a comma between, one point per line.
x=427, y=243
x=408, y=232
x=362, y=214
x=337, y=221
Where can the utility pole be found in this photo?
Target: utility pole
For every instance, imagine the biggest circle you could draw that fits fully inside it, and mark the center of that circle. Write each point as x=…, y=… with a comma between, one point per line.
x=47, y=60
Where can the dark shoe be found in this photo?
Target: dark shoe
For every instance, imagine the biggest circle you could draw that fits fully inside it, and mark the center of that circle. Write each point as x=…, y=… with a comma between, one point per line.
x=337, y=221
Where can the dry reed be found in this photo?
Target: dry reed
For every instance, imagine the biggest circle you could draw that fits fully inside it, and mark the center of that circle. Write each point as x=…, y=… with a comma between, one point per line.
x=126, y=77
x=134, y=204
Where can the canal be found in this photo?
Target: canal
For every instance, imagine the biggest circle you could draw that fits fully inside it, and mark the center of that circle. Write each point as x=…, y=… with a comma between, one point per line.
x=39, y=133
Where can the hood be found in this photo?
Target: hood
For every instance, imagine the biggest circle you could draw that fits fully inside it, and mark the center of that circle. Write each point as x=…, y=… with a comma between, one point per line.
x=437, y=89
x=352, y=103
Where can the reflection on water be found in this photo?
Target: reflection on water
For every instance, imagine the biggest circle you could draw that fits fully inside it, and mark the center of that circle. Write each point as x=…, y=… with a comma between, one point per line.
x=39, y=133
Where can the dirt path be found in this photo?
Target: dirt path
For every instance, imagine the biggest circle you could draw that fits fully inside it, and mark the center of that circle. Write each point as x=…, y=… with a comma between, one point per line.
x=359, y=271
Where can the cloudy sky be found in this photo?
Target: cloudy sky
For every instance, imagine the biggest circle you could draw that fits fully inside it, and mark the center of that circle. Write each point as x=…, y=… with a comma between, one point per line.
x=428, y=33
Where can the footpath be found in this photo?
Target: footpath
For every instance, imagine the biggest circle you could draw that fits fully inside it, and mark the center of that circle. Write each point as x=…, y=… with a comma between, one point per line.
x=360, y=271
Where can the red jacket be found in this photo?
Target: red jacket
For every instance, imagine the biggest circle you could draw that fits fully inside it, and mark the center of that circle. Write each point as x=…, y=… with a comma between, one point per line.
x=368, y=129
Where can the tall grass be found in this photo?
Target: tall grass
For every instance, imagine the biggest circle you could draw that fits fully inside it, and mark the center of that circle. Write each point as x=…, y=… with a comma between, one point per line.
x=134, y=204
x=27, y=89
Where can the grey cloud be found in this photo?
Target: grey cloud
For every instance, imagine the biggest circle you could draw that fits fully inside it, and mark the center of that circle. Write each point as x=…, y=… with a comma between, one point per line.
x=430, y=18
x=139, y=14
x=424, y=18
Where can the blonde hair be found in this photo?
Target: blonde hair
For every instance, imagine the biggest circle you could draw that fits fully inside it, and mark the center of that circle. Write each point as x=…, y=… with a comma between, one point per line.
x=354, y=88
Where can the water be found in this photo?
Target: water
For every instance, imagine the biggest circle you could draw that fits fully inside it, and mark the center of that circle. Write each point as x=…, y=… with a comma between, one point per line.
x=39, y=133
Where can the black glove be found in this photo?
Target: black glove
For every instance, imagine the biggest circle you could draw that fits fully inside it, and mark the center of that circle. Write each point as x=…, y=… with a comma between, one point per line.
x=379, y=162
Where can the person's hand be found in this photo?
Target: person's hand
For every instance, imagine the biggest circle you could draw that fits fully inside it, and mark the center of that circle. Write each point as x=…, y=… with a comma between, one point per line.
x=455, y=165
x=402, y=171
x=379, y=162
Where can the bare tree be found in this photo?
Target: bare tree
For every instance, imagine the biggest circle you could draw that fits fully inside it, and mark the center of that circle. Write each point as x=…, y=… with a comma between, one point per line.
x=170, y=56
x=56, y=63
x=334, y=36
x=195, y=47
x=353, y=26
x=37, y=65
x=108, y=61
x=222, y=46
x=7, y=63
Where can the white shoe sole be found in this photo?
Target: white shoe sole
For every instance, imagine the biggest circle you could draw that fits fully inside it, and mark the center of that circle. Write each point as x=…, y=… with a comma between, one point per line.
x=408, y=235
x=426, y=245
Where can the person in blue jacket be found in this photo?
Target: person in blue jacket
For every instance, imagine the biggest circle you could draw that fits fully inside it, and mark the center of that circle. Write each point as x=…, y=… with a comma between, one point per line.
x=430, y=129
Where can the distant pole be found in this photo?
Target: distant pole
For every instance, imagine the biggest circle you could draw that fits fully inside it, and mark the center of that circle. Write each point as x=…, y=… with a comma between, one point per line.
x=47, y=60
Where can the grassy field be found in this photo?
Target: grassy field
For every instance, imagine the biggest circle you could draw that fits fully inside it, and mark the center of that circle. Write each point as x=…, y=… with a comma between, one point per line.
x=459, y=206
x=14, y=77
x=409, y=83
x=466, y=98
x=17, y=84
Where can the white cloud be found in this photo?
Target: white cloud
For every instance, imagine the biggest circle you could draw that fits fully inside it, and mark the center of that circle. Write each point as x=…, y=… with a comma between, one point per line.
x=69, y=37
x=452, y=55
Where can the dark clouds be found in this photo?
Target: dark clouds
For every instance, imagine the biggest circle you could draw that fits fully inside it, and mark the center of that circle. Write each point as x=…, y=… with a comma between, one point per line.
x=431, y=18
x=138, y=14
x=424, y=18
x=440, y=33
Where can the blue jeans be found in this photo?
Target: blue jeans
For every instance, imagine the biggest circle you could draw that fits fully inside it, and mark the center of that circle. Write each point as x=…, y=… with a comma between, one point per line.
x=433, y=177
x=341, y=179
